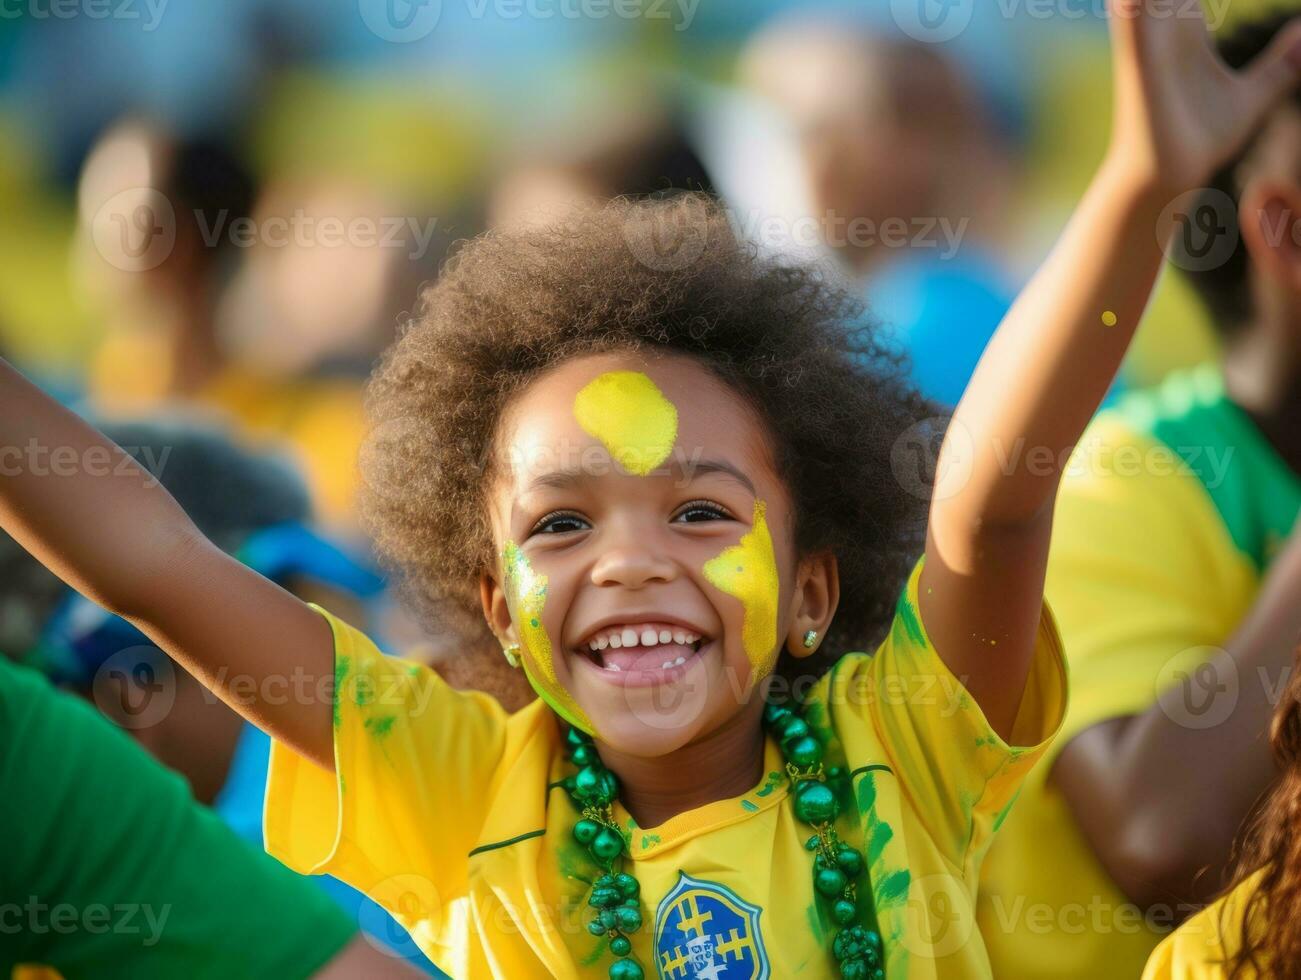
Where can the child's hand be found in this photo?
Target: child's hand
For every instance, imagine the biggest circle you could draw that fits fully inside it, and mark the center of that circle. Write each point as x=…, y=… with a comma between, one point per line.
x=1180, y=112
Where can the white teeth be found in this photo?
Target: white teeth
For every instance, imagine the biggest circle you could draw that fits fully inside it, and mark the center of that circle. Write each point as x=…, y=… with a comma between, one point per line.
x=649, y=638
x=679, y=637
x=602, y=642
x=679, y=662
x=593, y=645
x=616, y=641
x=629, y=636
x=666, y=636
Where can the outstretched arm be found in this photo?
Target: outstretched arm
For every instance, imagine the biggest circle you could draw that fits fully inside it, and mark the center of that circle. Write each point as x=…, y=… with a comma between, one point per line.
x=1179, y=112
x=107, y=528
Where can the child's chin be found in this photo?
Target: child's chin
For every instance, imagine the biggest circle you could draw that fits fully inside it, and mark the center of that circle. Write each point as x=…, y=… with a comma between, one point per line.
x=645, y=728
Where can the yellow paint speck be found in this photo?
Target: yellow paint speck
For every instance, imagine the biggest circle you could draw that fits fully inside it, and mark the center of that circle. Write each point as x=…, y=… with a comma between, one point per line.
x=631, y=417
x=1108, y=319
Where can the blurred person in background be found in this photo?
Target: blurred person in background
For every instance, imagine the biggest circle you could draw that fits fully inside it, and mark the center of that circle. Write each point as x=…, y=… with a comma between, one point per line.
x=1175, y=573
x=255, y=508
x=200, y=275
x=908, y=176
x=1252, y=930
x=115, y=871
x=631, y=149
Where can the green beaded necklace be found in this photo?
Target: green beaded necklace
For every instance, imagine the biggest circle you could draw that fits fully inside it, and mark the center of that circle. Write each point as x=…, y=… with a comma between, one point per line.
x=816, y=794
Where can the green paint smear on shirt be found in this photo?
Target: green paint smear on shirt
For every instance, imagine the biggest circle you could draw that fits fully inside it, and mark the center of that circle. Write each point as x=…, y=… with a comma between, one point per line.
x=648, y=839
x=381, y=727
x=774, y=780
x=749, y=807
x=341, y=667
x=911, y=619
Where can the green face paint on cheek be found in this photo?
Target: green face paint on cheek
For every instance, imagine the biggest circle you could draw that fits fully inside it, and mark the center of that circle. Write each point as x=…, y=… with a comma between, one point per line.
x=631, y=417
x=526, y=594
x=748, y=571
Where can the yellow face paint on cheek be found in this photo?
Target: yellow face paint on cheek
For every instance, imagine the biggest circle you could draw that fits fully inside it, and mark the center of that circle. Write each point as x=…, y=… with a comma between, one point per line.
x=631, y=417
x=526, y=594
x=748, y=571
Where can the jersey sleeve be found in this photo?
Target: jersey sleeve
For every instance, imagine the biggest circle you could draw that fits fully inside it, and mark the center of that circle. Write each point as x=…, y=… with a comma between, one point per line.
x=117, y=872
x=959, y=774
x=1142, y=576
x=416, y=763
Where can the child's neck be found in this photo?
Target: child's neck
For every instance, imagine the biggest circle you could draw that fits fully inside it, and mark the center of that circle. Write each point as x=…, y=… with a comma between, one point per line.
x=726, y=763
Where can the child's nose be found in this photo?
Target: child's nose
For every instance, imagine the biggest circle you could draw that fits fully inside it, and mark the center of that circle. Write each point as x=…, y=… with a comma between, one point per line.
x=632, y=566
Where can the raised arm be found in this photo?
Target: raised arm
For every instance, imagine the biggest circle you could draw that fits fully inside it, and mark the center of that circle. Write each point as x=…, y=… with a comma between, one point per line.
x=100, y=522
x=1178, y=113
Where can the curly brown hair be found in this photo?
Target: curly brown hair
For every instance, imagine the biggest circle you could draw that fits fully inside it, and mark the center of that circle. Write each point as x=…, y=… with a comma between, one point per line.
x=1269, y=941
x=509, y=305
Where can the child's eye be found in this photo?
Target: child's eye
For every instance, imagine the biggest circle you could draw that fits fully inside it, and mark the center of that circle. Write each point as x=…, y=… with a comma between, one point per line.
x=701, y=510
x=560, y=522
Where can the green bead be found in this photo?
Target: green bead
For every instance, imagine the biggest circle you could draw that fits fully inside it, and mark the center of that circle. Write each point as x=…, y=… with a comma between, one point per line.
x=830, y=882
x=609, y=788
x=595, y=928
x=851, y=943
x=793, y=729
x=604, y=898
x=607, y=846
x=775, y=714
x=812, y=843
x=576, y=738
x=620, y=946
x=626, y=970
x=850, y=860
x=585, y=755
x=629, y=919
x=835, y=772
x=628, y=886
x=853, y=969
x=608, y=920
x=586, y=781
x=585, y=831
x=843, y=912
x=815, y=803
x=803, y=752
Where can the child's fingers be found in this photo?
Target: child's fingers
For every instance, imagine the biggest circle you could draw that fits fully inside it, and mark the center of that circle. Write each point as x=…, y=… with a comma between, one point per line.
x=1276, y=72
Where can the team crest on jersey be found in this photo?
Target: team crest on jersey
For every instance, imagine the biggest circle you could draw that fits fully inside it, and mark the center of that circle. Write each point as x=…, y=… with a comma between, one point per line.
x=703, y=931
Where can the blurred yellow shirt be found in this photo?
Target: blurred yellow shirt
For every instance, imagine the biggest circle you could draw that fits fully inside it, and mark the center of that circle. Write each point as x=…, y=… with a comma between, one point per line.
x=319, y=422
x=1163, y=526
x=1201, y=948
x=449, y=813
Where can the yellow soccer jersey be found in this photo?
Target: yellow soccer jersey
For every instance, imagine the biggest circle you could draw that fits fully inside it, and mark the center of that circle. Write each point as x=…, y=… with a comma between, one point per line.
x=450, y=814
x=1165, y=522
x=1201, y=949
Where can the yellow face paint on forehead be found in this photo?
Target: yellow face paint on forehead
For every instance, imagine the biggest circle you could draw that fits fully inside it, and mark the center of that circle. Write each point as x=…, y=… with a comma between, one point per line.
x=748, y=571
x=631, y=417
x=526, y=594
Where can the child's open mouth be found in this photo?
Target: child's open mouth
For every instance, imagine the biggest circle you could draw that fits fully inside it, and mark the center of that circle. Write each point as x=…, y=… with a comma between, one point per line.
x=642, y=653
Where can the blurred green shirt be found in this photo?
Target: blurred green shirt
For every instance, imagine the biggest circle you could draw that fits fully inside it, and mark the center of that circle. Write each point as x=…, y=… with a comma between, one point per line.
x=111, y=869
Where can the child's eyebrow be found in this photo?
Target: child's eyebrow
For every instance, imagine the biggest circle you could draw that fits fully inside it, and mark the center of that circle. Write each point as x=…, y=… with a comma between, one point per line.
x=710, y=467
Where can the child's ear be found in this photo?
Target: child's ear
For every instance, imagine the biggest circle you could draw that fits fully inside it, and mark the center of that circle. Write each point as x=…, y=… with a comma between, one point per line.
x=817, y=593
x=495, y=611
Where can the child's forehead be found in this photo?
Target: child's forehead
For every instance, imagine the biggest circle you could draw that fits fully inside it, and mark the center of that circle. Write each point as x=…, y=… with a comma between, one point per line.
x=671, y=401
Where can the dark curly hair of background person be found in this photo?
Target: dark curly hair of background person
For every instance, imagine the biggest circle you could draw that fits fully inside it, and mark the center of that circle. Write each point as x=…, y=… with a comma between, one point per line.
x=656, y=276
